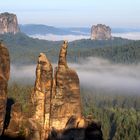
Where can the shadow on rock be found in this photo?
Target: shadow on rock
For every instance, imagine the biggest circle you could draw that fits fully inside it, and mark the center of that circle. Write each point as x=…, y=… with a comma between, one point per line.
x=11, y=138
x=91, y=132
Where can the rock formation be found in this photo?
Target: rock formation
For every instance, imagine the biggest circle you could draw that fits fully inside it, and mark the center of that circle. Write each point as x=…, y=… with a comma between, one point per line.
x=42, y=93
x=4, y=76
x=8, y=23
x=56, y=101
x=56, y=98
x=66, y=101
x=100, y=32
x=43, y=90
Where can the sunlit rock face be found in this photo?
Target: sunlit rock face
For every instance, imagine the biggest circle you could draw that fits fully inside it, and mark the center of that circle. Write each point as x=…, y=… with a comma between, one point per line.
x=4, y=76
x=8, y=23
x=100, y=32
x=43, y=90
x=66, y=100
x=56, y=96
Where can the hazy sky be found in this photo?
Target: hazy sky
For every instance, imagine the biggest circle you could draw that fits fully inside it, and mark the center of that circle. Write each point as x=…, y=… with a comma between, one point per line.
x=115, y=13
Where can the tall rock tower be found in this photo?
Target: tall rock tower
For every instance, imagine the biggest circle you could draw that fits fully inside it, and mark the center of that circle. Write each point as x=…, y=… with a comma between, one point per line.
x=56, y=96
x=43, y=90
x=66, y=100
x=8, y=23
x=4, y=76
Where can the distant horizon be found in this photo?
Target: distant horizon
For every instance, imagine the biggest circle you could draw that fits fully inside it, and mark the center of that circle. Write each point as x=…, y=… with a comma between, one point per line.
x=79, y=26
x=75, y=13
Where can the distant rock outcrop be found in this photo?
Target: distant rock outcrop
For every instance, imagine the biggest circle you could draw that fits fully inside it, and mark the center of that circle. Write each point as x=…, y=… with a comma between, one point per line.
x=100, y=32
x=4, y=76
x=8, y=23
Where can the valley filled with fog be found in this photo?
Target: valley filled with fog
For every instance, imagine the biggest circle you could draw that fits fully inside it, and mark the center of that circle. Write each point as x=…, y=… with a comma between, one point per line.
x=94, y=74
x=72, y=37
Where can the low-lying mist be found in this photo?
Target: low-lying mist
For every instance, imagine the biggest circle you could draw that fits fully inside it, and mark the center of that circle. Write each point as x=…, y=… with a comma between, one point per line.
x=22, y=74
x=128, y=35
x=53, y=37
x=71, y=37
x=94, y=74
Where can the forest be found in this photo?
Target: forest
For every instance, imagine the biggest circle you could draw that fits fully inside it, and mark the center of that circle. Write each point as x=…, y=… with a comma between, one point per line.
x=119, y=114
x=25, y=50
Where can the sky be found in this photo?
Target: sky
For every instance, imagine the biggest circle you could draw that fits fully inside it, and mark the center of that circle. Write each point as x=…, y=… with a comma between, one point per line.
x=75, y=13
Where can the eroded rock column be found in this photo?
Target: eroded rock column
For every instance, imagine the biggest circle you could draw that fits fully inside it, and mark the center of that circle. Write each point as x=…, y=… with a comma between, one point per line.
x=57, y=96
x=4, y=77
x=66, y=101
x=43, y=88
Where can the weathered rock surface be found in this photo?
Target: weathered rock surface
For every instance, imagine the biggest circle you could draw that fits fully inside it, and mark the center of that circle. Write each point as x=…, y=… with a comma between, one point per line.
x=100, y=32
x=66, y=101
x=8, y=23
x=56, y=98
x=57, y=101
x=4, y=77
x=43, y=89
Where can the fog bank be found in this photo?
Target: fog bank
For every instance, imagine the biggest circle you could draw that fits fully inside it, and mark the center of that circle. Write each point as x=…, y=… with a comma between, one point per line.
x=101, y=74
x=22, y=74
x=53, y=37
x=94, y=73
x=129, y=35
